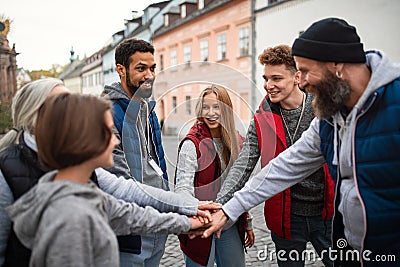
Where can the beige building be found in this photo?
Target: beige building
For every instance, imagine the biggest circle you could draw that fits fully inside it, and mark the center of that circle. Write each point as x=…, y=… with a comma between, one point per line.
x=71, y=76
x=202, y=43
x=92, y=74
x=281, y=21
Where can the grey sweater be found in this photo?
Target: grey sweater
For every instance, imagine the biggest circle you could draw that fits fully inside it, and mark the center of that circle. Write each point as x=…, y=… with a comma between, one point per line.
x=73, y=224
x=126, y=189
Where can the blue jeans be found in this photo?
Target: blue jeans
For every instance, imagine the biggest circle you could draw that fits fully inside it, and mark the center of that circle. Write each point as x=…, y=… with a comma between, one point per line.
x=226, y=251
x=303, y=229
x=153, y=246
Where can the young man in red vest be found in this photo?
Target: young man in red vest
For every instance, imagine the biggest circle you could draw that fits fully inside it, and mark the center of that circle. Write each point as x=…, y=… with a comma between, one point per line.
x=301, y=213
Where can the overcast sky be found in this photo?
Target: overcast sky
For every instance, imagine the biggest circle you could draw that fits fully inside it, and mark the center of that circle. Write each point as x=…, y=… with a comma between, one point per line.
x=45, y=30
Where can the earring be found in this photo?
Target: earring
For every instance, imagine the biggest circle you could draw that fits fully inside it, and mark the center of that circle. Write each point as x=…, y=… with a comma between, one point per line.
x=339, y=74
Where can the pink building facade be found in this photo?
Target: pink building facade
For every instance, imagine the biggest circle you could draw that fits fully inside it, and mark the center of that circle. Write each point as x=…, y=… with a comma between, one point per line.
x=202, y=43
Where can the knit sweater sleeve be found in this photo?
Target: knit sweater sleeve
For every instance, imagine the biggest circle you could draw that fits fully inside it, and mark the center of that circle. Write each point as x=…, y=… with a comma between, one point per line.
x=132, y=191
x=241, y=170
x=288, y=168
x=186, y=168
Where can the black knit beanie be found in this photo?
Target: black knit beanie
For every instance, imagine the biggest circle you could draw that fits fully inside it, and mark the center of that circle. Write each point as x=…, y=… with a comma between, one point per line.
x=330, y=40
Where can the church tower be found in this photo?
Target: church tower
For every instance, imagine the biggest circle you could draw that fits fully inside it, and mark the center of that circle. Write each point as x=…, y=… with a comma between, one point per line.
x=8, y=64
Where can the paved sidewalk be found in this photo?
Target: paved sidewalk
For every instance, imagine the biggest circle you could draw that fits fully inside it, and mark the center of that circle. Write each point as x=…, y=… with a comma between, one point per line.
x=258, y=255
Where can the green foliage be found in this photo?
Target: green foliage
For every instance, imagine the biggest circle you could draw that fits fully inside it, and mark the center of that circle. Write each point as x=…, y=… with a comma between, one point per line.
x=5, y=118
x=38, y=74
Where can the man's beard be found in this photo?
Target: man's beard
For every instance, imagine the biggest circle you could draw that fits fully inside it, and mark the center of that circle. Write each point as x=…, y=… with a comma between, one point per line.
x=140, y=92
x=331, y=94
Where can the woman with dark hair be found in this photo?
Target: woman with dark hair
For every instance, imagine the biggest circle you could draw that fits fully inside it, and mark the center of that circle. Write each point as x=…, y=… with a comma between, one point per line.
x=205, y=157
x=66, y=220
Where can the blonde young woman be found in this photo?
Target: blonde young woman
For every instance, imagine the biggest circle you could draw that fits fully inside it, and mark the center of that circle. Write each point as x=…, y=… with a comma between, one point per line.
x=205, y=156
x=66, y=220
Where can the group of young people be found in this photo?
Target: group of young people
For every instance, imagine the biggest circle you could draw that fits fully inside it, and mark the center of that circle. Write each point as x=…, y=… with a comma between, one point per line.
x=103, y=174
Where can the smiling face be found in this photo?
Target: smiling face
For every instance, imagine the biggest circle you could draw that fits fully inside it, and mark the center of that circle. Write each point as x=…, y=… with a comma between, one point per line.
x=279, y=82
x=137, y=80
x=331, y=93
x=211, y=112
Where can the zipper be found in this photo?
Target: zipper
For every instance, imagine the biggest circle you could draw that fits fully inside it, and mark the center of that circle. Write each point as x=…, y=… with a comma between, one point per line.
x=283, y=213
x=363, y=111
x=141, y=153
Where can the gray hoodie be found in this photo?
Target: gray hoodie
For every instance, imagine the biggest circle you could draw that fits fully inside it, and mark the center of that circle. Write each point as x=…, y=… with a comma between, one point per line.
x=120, y=167
x=304, y=157
x=66, y=223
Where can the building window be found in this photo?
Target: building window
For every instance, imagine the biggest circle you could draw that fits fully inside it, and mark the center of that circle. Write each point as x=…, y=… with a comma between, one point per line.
x=161, y=62
x=187, y=54
x=244, y=41
x=188, y=106
x=183, y=11
x=174, y=110
x=90, y=80
x=201, y=4
x=221, y=46
x=166, y=20
x=204, y=50
x=173, y=57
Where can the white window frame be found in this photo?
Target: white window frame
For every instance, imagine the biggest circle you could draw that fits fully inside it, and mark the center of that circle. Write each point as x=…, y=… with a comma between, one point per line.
x=187, y=53
x=183, y=11
x=244, y=41
x=188, y=105
x=174, y=104
x=201, y=4
x=204, y=50
x=173, y=56
x=166, y=20
x=221, y=47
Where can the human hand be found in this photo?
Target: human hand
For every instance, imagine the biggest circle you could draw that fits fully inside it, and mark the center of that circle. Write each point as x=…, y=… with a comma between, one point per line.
x=204, y=216
x=218, y=221
x=205, y=208
x=249, y=239
x=209, y=205
x=197, y=223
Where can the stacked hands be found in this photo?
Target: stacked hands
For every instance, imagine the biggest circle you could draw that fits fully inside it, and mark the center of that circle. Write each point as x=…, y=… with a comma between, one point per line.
x=211, y=219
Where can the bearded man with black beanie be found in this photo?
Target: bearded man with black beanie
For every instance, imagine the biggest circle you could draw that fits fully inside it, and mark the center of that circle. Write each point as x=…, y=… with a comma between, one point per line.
x=356, y=132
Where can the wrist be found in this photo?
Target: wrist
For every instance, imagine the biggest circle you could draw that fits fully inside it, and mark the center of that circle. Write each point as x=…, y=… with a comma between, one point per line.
x=249, y=222
x=225, y=214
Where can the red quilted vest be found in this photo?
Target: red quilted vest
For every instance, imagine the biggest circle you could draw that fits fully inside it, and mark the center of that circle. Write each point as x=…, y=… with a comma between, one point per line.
x=271, y=142
x=207, y=185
